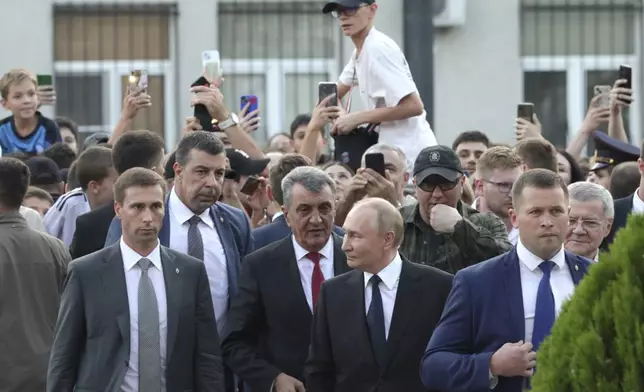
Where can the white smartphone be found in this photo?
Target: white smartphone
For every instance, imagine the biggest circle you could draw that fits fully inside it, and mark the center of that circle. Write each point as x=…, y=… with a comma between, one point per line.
x=604, y=92
x=138, y=80
x=211, y=65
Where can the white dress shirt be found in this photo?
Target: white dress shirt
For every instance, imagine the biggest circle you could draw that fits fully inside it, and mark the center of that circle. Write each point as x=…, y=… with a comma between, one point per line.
x=560, y=281
x=213, y=250
x=276, y=215
x=132, y=277
x=638, y=204
x=305, y=266
x=390, y=276
x=513, y=236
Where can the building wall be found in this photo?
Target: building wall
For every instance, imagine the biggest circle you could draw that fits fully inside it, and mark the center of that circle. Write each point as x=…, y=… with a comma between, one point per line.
x=478, y=78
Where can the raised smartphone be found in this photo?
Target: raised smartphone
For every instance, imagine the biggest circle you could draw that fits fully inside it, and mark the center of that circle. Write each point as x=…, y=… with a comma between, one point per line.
x=604, y=92
x=249, y=99
x=376, y=162
x=525, y=111
x=211, y=62
x=328, y=88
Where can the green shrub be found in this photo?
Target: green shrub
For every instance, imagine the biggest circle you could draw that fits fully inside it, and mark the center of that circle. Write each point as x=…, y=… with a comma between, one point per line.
x=597, y=343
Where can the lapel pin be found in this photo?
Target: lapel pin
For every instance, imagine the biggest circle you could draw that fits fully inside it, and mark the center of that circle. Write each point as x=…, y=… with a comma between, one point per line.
x=221, y=219
x=177, y=271
x=576, y=267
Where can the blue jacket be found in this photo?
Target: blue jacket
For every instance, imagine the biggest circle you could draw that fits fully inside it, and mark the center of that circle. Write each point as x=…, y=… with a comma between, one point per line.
x=483, y=312
x=275, y=231
x=233, y=229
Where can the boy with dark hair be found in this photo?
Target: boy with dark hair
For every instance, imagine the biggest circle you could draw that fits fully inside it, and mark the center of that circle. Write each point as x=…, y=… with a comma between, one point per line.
x=26, y=130
x=62, y=154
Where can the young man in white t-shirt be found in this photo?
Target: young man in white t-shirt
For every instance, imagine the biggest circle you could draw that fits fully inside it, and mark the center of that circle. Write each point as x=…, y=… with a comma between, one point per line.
x=380, y=74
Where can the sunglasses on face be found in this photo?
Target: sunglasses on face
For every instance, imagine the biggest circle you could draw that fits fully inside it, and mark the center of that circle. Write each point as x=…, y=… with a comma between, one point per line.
x=346, y=11
x=431, y=185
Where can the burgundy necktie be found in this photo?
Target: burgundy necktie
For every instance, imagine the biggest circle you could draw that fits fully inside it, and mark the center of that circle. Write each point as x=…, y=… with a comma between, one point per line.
x=317, y=278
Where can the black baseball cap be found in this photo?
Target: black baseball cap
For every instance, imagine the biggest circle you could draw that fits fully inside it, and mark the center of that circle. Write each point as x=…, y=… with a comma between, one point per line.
x=44, y=171
x=243, y=165
x=333, y=5
x=437, y=161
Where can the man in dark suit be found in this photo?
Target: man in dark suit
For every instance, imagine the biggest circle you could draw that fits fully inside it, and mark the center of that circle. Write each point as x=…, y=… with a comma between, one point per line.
x=500, y=311
x=132, y=149
x=197, y=225
x=267, y=334
x=371, y=325
x=633, y=204
x=136, y=316
x=278, y=228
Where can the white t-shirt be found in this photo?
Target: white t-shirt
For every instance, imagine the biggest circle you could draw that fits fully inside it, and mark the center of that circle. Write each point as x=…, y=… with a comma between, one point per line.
x=383, y=78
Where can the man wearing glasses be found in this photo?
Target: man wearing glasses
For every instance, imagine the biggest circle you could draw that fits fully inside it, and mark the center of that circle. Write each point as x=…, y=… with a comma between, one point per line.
x=589, y=220
x=498, y=168
x=381, y=77
x=440, y=230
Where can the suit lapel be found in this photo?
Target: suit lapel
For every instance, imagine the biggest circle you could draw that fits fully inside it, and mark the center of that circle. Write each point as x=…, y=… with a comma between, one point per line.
x=173, y=289
x=403, y=308
x=357, y=315
x=113, y=277
x=514, y=294
x=293, y=285
x=230, y=251
x=340, y=265
x=577, y=269
x=164, y=233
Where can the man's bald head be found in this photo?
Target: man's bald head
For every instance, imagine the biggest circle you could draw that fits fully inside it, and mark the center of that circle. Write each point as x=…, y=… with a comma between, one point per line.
x=386, y=216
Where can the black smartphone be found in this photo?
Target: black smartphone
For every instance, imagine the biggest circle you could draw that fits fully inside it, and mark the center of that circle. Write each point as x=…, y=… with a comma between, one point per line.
x=376, y=162
x=525, y=111
x=625, y=72
x=328, y=88
x=250, y=186
x=201, y=112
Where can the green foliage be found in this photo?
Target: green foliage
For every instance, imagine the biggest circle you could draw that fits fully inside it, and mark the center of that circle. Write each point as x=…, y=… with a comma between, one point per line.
x=597, y=343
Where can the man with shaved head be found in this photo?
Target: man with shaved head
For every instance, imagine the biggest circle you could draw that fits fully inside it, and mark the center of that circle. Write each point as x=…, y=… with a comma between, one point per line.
x=357, y=344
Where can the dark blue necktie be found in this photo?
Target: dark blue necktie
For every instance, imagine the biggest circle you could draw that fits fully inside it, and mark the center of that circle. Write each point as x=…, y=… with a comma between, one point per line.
x=376, y=323
x=544, y=313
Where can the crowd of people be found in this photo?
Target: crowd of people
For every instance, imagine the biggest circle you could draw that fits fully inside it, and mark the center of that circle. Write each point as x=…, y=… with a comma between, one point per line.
x=222, y=265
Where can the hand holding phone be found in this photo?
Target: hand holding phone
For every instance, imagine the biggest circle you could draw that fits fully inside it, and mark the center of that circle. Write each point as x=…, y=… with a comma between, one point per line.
x=376, y=162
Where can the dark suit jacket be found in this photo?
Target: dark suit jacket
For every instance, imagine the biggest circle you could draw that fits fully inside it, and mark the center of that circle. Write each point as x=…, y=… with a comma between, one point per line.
x=234, y=232
x=341, y=358
x=275, y=231
x=268, y=329
x=91, y=230
x=623, y=208
x=483, y=312
x=92, y=338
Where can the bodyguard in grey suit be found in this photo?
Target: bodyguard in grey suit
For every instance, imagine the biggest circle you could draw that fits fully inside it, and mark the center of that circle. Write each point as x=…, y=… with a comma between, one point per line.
x=136, y=316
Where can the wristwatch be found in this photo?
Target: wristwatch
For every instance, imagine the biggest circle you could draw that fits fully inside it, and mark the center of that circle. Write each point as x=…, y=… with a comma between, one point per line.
x=230, y=122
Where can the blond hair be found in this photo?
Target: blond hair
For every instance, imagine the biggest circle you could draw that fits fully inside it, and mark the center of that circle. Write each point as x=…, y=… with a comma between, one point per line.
x=498, y=157
x=13, y=77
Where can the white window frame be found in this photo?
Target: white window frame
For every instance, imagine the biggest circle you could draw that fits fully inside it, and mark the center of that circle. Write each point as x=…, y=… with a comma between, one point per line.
x=576, y=88
x=112, y=72
x=274, y=72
